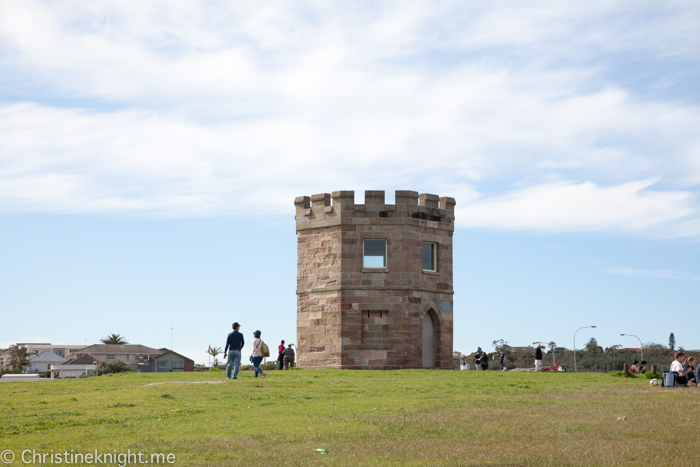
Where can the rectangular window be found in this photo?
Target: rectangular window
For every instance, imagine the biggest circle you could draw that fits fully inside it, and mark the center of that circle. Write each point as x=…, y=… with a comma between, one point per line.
x=128, y=356
x=178, y=366
x=374, y=254
x=429, y=256
x=110, y=357
x=59, y=353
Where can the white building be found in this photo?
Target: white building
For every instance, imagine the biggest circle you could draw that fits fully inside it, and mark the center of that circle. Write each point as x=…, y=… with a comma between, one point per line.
x=43, y=362
x=75, y=368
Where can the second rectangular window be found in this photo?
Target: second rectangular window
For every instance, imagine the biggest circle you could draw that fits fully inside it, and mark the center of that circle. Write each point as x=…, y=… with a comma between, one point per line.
x=429, y=256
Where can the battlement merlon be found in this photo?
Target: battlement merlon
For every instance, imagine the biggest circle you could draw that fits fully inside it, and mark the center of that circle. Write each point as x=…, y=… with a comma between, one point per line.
x=324, y=210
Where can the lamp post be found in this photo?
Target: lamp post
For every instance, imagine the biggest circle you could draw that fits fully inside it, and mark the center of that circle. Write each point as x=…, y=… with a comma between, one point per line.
x=171, y=338
x=640, y=345
x=584, y=327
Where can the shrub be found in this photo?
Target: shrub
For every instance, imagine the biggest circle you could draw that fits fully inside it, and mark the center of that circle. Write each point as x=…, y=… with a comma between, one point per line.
x=650, y=375
x=113, y=367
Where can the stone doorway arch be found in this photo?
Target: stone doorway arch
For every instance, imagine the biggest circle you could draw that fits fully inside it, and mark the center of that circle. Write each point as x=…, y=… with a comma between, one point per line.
x=431, y=326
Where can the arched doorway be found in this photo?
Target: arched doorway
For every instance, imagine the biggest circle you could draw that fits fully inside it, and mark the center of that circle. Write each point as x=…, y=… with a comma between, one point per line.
x=428, y=341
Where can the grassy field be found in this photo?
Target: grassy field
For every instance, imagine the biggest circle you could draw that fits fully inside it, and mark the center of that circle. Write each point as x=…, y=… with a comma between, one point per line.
x=412, y=417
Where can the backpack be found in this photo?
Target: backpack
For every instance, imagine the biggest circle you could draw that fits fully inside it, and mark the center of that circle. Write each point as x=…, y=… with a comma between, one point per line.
x=265, y=349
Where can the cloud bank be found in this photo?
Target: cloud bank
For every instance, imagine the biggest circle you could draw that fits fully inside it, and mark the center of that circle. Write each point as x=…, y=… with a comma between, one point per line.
x=566, y=118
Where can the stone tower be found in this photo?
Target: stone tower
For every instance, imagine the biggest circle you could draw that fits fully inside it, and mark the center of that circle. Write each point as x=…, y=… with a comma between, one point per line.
x=374, y=281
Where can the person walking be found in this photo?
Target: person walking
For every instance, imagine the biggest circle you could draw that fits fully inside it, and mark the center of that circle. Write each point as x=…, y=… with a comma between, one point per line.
x=258, y=353
x=280, y=357
x=538, y=357
x=502, y=360
x=234, y=345
x=288, y=357
x=484, y=361
x=477, y=359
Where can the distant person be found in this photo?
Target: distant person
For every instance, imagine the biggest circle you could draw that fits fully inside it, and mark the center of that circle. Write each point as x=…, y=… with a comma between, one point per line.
x=643, y=366
x=502, y=360
x=634, y=367
x=464, y=365
x=234, y=345
x=288, y=357
x=280, y=357
x=677, y=365
x=538, y=357
x=258, y=354
x=477, y=360
x=689, y=365
x=484, y=361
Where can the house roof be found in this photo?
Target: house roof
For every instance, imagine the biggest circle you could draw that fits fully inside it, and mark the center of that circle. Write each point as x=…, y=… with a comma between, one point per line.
x=175, y=353
x=84, y=360
x=118, y=349
x=47, y=356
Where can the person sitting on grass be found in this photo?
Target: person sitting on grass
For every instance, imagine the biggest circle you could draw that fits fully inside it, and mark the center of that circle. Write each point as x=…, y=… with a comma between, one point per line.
x=643, y=367
x=677, y=366
x=689, y=365
x=634, y=367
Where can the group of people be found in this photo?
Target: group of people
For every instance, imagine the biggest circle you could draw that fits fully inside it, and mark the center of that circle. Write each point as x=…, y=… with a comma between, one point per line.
x=637, y=367
x=234, y=347
x=481, y=361
x=685, y=366
x=285, y=359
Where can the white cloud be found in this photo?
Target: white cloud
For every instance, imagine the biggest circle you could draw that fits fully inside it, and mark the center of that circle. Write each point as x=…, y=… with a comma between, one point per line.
x=562, y=206
x=662, y=274
x=206, y=110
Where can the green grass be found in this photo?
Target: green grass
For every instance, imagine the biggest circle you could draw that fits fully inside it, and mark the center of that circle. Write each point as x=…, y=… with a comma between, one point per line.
x=411, y=417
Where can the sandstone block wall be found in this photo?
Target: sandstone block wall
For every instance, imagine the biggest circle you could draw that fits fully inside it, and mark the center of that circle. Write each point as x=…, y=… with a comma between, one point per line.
x=349, y=316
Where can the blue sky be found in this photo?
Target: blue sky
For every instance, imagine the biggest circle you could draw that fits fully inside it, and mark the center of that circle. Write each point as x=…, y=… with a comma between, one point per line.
x=150, y=153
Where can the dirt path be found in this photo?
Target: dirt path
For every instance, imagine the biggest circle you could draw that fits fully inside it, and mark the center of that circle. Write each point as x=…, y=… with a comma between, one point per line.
x=187, y=382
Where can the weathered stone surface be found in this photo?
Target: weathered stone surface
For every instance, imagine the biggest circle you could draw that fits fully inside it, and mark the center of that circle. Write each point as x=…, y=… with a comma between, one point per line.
x=349, y=316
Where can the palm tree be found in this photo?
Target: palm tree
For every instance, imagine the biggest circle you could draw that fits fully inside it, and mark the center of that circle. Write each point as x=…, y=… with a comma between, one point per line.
x=19, y=359
x=114, y=339
x=214, y=351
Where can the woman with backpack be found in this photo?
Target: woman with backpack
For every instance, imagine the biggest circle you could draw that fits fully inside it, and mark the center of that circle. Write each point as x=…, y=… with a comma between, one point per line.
x=258, y=353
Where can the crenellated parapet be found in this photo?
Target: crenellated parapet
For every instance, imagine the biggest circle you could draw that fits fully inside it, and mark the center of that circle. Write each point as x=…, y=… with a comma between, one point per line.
x=339, y=208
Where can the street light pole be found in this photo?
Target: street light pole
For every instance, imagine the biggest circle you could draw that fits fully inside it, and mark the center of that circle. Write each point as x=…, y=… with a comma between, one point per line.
x=584, y=327
x=640, y=345
x=171, y=338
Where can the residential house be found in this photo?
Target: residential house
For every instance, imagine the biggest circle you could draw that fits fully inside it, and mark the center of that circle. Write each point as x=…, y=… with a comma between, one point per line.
x=168, y=361
x=519, y=349
x=62, y=350
x=35, y=348
x=127, y=353
x=75, y=368
x=43, y=362
x=174, y=361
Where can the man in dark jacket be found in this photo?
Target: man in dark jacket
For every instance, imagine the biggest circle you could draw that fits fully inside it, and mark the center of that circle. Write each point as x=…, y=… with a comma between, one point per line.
x=484, y=361
x=538, y=357
x=234, y=344
x=288, y=357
